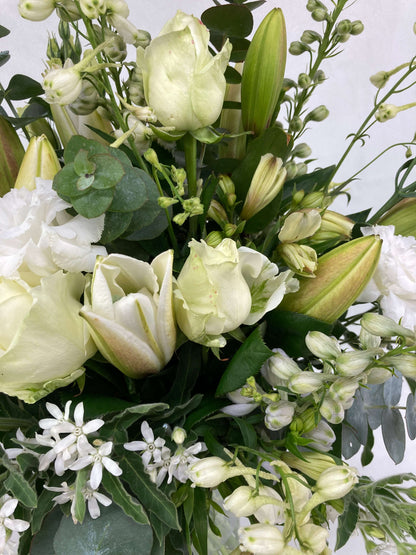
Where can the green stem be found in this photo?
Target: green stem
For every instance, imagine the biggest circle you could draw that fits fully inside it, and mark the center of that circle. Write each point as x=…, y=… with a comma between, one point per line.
x=190, y=149
x=170, y=228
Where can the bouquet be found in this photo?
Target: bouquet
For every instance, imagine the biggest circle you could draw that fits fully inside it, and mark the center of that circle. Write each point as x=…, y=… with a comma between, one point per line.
x=193, y=343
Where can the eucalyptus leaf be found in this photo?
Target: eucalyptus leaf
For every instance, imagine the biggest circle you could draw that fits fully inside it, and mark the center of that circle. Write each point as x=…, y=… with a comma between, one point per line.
x=394, y=435
x=373, y=399
x=82, y=164
x=392, y=390
x=93, y=203
x=112, y=533
x=108, y=171
x=131, y=191
x=115, y=224
x=350, y=442
x=4, y=57
x=411, y=416
x=42, y=543
x=153, y=229
x=367, y=453
x=247, y=361
x=356, y=416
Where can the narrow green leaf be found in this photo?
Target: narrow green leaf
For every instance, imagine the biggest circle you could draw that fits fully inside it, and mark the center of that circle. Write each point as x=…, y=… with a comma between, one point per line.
x=17, y=484
x=124, y=500
x=367, y=454
x=347, y=522
x=42, y=543
x=248, y=433
x=201, y=519
x=247, y=361
x=45, y=506
x=208, y=406
x=130, y=415
x=79, y=501
x=148, y=493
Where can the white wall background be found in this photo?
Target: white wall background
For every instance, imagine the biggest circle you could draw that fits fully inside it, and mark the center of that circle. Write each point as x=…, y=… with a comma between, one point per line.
x=388, y=40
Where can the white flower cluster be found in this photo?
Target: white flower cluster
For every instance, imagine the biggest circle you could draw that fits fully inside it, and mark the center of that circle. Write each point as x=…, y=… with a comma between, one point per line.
x=39, y=237
x=10, y=527
x=70, y=449
x=158, y=459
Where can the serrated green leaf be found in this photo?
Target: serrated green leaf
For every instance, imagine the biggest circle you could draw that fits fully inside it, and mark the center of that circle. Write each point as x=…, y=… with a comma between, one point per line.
x=17, y=484
x=231, y=21
x=247, y=361
x=123, y=499
x=394, y=435
x=21, y=87
x=112, y=533
x=347, y=522
x=152, y=498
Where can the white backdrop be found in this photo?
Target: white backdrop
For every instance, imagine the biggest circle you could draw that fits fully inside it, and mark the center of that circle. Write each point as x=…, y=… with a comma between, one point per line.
x=387, y=41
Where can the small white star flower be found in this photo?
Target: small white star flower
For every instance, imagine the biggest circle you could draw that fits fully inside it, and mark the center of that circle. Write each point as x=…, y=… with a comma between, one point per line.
x=98, y=457
x=77, y=431
x=150, y=447
x=93, y=497
x=8, y=524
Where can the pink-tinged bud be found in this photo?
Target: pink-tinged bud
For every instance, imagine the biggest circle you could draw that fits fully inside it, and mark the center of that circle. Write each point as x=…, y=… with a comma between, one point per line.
x=341, y=276
x=263, y=73
x=11, y=156
x=40, y=160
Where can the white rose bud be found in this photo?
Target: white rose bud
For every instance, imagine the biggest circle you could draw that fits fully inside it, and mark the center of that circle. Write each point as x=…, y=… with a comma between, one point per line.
x=278, y=415
x=322, y=346
x=36, y=10
x=190, y=96
x=261, y=539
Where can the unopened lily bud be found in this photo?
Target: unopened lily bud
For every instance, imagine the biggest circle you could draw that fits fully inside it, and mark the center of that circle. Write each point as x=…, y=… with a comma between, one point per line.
x=296, y=124
x=214, y=238
x=297, y=48
x=322, y=346
x=11, y=156
x=298, y=197
x=230, y=229
x=312, y=464
x=263, y=73
x=313, y=538
x=226, y=185
x=299, y=226
x=304, y=81
x=261, y=538
x=382, y=326
x=87, y=101
x=334, y=227
x=36, y=10
x=320, y=14
x=341, y=276
x=353, y=363
x=386, y=112
x=309, y=37
x=40, y=160
x=267, y=182
x=336, y=482
x=402, y=216
x=380, y=79
x=278, y=415
x=318, y=114
x=300, y=258
x=313, y=200
x=332, y=410
x=306, y=382
x=211, y=472
x=92, y=9
x=405, y=364
x=178, y=435
x=322, y=436
x=357, y=27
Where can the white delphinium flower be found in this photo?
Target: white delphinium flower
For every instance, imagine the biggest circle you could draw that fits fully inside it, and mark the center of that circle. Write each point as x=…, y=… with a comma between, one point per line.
x=241, y=406
x=38, y=236
x=150, y=447
x=261, y=539
x=98, y=458
x=322, y=436
x=182, y=459
x=394, y=281
x=8, y=524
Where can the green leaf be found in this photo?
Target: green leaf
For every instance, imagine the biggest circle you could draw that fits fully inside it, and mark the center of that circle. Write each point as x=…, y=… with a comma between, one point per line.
x=247, y=361
x=248, y=433
x=44, y=507
x=411, y=416
x=392, y=390
x=239, y=51
x=232, y=76
x=115, y=224
x=77, y=143
x=82, y=164
x=93, y=203
x=124, y=500
x=316, y=180
x=289, y=329
x=201, y=520
x=347, y=522
x=79, y=506
x=130, y=415
x=152, y=498
x=21, y=87
x=137, y=231
x=4, y=57
x=357, y=418
x=350, y=442
x=108, y=172
x=42, y=543
x=131, y=192
x=189, y=367
x=3, y=31
x=394, y=435
x=231, y=21
x=17, y=484
x=65, y=182
x=112, y=533
x=85, y=182
x=208, y=406
x=367, y=454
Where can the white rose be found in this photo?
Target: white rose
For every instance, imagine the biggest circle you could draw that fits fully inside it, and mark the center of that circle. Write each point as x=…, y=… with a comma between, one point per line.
x=211, y=295
x=38, y=237
x=129, y=311
x=394, y=281
x=44, y=342
x=183, y=83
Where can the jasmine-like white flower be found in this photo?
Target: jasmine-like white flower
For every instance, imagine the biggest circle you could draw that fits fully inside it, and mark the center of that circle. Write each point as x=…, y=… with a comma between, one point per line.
x=158, y=470
x=77, y=431
x=150, y=447
x=182, y=459
x=93, y=497
x=66, y=493
x=59, y=417
x=98, y=457
x=8, y=524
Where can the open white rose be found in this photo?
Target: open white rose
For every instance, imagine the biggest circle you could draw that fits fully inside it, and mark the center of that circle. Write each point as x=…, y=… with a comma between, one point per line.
x=43, y=340
x=183, y=83
x=129, y=310
x=38, y=237
x=211, y=295
x=394, y=281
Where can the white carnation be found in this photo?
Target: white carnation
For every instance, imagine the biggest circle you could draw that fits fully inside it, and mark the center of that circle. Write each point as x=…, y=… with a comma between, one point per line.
x=394, y=281
x=39, y=237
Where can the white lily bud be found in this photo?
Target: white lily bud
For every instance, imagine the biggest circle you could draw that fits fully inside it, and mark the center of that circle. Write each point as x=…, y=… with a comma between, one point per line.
x=278, y=415
x=353, y=363
x=312, y=537
x=322, y=346
x=332, y=410
x=36, y=10
x=261, y=539
x=306, y=382
x=300, y=225
x=336, y=482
